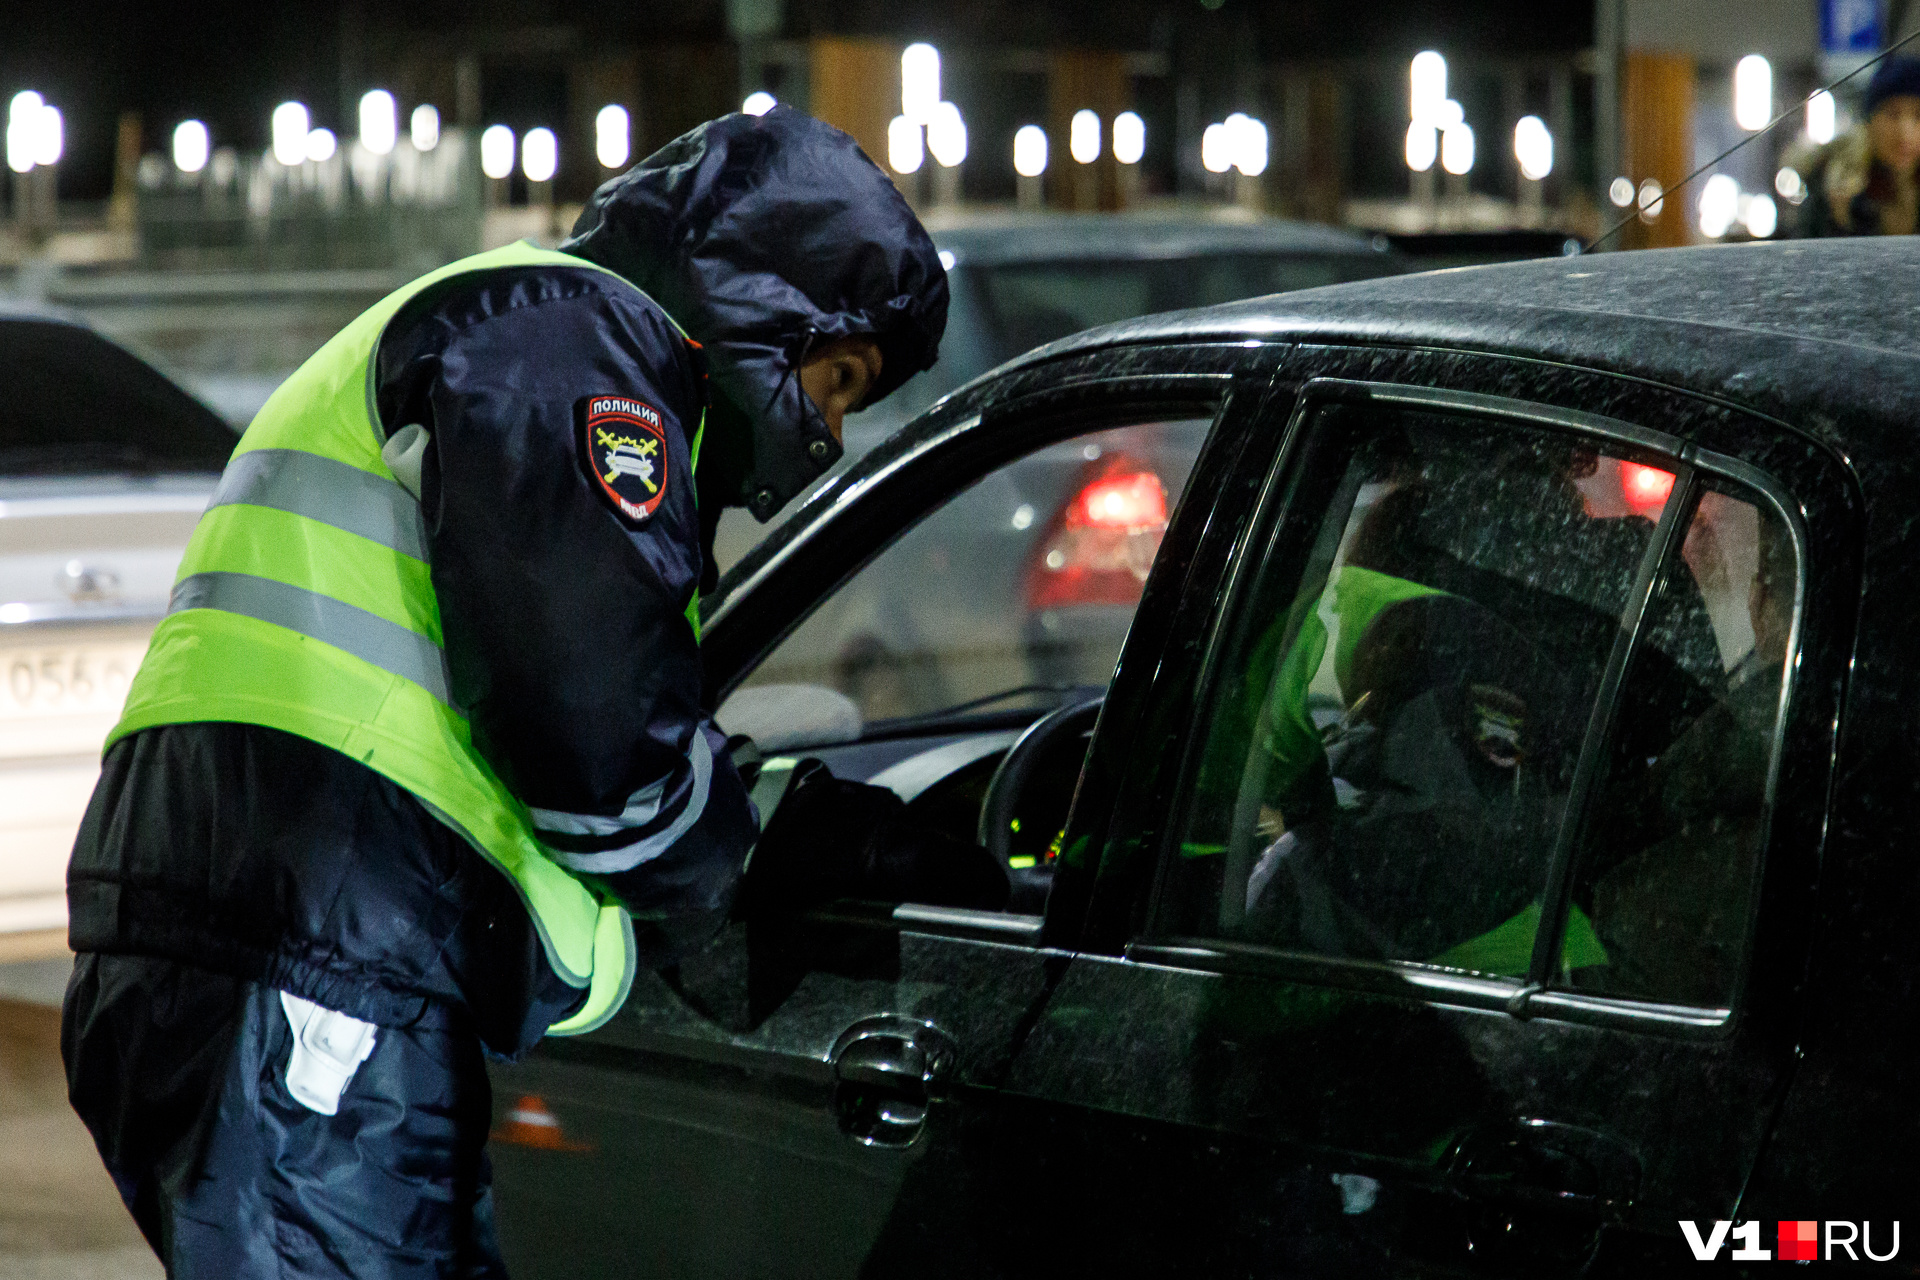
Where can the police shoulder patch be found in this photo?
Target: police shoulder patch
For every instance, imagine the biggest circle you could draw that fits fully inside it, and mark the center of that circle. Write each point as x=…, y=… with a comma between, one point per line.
x=624, y=446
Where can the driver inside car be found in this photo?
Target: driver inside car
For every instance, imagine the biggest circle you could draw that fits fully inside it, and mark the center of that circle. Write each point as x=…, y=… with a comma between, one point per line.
x=1417, y=825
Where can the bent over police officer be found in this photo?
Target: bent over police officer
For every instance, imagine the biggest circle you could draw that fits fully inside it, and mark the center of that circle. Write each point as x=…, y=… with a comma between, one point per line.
x=416, y=764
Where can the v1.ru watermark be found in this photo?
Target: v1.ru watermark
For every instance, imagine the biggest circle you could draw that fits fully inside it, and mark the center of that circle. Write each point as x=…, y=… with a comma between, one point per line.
x=1799, y=1241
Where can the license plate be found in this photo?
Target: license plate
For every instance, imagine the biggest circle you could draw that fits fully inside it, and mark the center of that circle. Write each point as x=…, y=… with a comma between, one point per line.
x=62, y=698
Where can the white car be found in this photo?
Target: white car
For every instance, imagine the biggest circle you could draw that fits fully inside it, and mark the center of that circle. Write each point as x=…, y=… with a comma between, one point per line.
x=105, y=465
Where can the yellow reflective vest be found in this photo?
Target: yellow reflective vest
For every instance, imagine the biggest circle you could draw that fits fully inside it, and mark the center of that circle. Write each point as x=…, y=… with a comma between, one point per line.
x=304, y=604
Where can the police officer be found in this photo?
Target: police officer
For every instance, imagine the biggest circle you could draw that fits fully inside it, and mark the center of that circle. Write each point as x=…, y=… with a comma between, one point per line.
x=416, y=762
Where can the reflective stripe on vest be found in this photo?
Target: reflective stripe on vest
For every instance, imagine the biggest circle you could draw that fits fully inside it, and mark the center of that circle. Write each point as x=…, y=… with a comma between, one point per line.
x=304, y=604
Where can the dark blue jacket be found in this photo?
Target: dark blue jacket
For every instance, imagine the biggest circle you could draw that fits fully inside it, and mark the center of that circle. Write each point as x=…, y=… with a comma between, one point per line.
x=563, y=607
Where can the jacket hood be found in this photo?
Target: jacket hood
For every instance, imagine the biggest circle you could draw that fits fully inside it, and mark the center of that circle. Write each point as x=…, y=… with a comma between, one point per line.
x=763, y=236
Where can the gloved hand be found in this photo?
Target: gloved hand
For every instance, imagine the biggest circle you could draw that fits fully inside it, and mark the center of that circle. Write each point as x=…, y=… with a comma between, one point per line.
x=836, y=839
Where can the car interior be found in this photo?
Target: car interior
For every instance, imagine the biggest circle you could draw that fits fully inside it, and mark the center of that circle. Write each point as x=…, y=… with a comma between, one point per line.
x=1395, y=740
x=964, y=665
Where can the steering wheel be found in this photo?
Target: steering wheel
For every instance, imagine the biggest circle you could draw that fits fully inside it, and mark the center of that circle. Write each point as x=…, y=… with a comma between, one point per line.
x=1016, y=770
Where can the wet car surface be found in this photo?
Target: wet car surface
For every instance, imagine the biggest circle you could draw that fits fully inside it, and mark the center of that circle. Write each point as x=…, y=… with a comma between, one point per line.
x=1490, y=853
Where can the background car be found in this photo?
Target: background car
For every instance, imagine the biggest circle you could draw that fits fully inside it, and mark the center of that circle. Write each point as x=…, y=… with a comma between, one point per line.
x=105, y=465
x=1062, y=541
x=1583, y=916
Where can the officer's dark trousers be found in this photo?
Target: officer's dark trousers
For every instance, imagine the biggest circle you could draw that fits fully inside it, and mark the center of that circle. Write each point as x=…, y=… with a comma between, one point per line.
x=181, y=1076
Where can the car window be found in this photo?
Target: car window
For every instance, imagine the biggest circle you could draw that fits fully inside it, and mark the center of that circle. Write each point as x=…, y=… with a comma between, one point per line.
x=77, y=403
x=1028, y=577
x=1671, y=850
x=1392, y=739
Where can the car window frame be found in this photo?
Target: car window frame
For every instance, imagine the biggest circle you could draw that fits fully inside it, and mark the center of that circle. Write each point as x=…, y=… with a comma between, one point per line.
x=1532, y=996
x=843, y=527
x=845, y=524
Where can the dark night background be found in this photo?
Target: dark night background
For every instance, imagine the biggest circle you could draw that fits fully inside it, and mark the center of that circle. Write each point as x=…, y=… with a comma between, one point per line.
x=229, y=62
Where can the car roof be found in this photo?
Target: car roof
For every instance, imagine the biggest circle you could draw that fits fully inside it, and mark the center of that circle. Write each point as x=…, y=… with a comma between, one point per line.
x=1005, y=238
x=1804, y=330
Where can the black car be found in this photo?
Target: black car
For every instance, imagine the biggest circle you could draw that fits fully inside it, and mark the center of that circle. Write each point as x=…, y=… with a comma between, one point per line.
x=1486, y=858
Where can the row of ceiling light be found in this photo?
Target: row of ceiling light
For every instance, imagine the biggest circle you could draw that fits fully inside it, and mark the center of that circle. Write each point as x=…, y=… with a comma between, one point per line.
x=296, y=141
x=928, y=124
x=1438, y=128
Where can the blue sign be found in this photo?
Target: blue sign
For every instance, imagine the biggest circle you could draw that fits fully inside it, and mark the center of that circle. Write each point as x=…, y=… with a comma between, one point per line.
x=1850, y=26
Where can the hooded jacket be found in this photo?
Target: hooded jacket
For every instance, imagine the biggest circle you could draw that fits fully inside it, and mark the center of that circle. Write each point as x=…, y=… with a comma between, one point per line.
x=764, y=235
x=564, y=611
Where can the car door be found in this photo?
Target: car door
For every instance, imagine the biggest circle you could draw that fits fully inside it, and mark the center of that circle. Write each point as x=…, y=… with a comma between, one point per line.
x=797, y=1098
x=1456, y=919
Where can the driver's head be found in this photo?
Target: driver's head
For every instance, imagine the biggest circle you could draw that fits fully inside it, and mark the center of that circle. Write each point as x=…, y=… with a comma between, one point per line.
x=786, y=253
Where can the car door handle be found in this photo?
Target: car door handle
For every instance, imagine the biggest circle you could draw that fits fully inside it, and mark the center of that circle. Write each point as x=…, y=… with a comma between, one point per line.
x=885, y=1069
x=1541, y=1164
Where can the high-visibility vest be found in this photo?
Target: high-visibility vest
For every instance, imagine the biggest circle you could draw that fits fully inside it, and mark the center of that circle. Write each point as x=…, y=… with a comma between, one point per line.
x=304, y=604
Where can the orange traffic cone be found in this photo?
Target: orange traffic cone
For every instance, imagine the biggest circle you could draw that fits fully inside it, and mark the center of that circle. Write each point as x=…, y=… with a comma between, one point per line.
x=530, y=1124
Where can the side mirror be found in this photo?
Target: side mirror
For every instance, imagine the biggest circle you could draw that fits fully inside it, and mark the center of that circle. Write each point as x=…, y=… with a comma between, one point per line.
x=779, y=717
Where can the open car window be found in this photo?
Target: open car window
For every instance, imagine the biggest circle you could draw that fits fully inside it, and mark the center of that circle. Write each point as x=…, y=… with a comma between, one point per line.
x=1017, y=590
x=1421, y=719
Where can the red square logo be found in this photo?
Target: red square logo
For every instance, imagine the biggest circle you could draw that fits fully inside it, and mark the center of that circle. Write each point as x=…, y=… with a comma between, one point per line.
x=1799, y=1241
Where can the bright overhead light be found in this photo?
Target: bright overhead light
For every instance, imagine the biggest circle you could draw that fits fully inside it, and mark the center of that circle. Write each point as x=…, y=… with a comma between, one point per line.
x=1428, y=77
x=1423, y=146
x=1752, y=92
x=1246, y=144
x=1083, y=137
x=290, y=126
x=757, y=103
x=49, y=135
x=23, y=120
x=1456, y=149
x=1652, y=199
x=496, y=151
x=1030, y=151
x=379, y=121
x=612, y=136
x=423, y=127
x=1129, y=137
x=919, y=83
x=1620, y=191
x=1790, y=184
x=1216, y=156
x=539, y=155
x=1719, y=205
x=906, y=149
x=1762, y=217
x=947, y=135
x=1533, y=147
x=1821, y=118
x=191, y=146
x=321, y=144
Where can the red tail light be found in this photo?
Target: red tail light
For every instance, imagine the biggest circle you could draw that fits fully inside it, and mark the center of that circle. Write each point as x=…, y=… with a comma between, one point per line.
x=1645, y=488
x=1130, y=501
x=1098, y=548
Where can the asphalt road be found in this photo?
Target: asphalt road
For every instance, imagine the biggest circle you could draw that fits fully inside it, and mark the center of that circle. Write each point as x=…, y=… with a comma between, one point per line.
x=59, y=1214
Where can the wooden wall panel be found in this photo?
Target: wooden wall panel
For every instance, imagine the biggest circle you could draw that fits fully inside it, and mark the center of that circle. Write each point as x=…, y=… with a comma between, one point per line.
x=855, y=86
x=1656, y=127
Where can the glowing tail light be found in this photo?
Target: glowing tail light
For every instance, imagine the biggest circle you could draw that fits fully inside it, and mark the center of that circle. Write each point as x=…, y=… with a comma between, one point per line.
x=1645, y=488
x=1098, y=548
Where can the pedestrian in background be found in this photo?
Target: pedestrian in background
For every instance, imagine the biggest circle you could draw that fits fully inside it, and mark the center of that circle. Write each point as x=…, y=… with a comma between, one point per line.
x=1863, y=182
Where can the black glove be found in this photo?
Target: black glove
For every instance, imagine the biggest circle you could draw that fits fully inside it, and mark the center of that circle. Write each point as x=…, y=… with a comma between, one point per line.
x=836, y=839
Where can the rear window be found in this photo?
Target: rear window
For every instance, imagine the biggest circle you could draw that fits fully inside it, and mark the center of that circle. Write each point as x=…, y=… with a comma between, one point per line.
x=1035, y=303
x=76, y=403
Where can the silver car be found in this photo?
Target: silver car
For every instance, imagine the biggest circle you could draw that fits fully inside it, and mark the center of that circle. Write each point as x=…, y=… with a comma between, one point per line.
x=105, y=465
